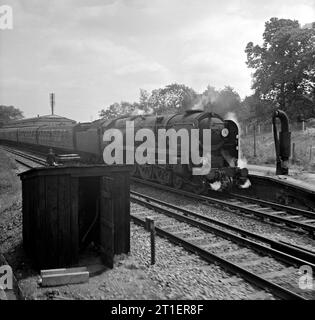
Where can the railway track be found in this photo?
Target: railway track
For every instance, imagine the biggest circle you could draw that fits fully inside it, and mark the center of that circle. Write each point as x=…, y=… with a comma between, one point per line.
x=296, y=219
x=25, y=156
x=270, y=265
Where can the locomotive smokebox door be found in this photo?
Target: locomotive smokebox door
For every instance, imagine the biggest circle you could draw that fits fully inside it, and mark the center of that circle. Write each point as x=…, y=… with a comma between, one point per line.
x=106, y=223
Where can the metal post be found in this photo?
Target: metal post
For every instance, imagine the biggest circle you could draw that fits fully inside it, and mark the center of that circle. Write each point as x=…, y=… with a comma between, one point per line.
x=150, y=227
x=293, y=153
x=254, y=140
x=282, y=142
x=52, y=102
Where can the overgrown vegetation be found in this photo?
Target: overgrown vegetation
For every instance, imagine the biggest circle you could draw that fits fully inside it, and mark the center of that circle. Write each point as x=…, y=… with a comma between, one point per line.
x=304, y=149
x=9, y=113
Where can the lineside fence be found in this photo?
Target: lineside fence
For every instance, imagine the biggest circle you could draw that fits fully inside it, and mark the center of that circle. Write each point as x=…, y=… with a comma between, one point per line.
x=257, y=143
x=262, y=128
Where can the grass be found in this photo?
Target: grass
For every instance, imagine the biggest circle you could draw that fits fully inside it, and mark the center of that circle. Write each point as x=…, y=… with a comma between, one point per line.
x=265, y=149
x=10, y=186
x=10, y=204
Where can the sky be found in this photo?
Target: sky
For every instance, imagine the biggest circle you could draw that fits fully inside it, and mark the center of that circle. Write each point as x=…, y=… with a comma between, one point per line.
x=96, y=52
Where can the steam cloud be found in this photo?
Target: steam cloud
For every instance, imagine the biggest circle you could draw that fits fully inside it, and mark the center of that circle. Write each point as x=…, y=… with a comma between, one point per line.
x=137, y=112
x=204, y=102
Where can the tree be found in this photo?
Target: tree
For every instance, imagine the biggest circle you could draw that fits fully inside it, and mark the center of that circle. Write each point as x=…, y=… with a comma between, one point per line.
x=175, y=98
x=172, y=98
x=117, y=110
x=228, y=101
x=220, y=101
x=285, y=63
x=253, y=108
x=9, y=113
x=144, y=101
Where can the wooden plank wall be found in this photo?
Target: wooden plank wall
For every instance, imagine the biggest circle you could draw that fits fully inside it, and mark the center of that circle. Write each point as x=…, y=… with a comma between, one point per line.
x=50, y=221
x=50, y=217
x=74, y=220
x=121, y=202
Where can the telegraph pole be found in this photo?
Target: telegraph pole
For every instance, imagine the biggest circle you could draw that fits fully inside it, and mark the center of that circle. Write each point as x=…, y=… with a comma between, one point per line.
x=255, y=140
x=52, y=103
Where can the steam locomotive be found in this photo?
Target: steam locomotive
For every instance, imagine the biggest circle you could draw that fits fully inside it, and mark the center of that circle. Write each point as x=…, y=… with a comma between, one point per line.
x=87, y=140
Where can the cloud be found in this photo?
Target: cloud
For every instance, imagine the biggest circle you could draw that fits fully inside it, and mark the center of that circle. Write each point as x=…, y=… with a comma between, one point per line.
x=93, y=53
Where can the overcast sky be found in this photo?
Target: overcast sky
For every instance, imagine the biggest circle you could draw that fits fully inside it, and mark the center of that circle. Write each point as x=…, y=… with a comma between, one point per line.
x=96, y=52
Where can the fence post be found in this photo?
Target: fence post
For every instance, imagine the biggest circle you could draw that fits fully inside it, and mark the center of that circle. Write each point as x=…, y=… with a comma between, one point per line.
x=254, y=140
x=293, y=153
x=150, y=227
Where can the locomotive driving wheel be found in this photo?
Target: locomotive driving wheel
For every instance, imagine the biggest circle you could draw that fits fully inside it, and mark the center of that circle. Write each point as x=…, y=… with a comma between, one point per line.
x=163, y=176
x=199, y=186
x=145, y=172
x=178, y=181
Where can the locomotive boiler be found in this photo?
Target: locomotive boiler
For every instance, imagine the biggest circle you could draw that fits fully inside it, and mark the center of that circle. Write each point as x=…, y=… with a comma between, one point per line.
x=223, y=170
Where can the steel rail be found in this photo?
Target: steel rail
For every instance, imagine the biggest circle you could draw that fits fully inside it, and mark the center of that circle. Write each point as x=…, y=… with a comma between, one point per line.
x=207, y=199
x=25, y=156
x=260, y=282
x=228, y=235
x=300, y=254
x=24, y=164
x=305, y=213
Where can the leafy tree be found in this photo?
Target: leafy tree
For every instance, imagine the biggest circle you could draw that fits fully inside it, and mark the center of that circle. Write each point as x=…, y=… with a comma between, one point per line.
x=227, y=101
x=172, y=98
x=175, y=98
x=208, y=99
x=220, y=101
x=285, y=64
x=253, y=108
x=144, y=101
x=117, y=110
x=9, y=113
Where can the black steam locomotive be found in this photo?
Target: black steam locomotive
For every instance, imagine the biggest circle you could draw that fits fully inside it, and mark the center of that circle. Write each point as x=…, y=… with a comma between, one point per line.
x=87, y=140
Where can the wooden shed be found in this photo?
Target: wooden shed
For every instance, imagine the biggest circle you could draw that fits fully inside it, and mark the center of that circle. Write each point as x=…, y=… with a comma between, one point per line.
x=64, y=208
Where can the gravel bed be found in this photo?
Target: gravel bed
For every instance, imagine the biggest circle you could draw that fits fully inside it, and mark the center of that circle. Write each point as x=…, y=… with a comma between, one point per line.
x=263, y=265
x=226, y=249
x=177, y=274
x=181, y=275
x=234, y=218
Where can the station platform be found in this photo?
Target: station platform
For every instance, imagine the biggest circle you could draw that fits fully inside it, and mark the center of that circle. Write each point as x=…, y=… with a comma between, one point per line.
x=296, y=178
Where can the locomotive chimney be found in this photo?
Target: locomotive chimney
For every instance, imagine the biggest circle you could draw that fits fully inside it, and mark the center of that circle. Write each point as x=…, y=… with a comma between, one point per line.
x=52, y=103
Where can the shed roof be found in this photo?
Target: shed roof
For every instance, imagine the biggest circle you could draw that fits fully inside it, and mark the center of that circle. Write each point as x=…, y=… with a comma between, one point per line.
x=75, y=171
